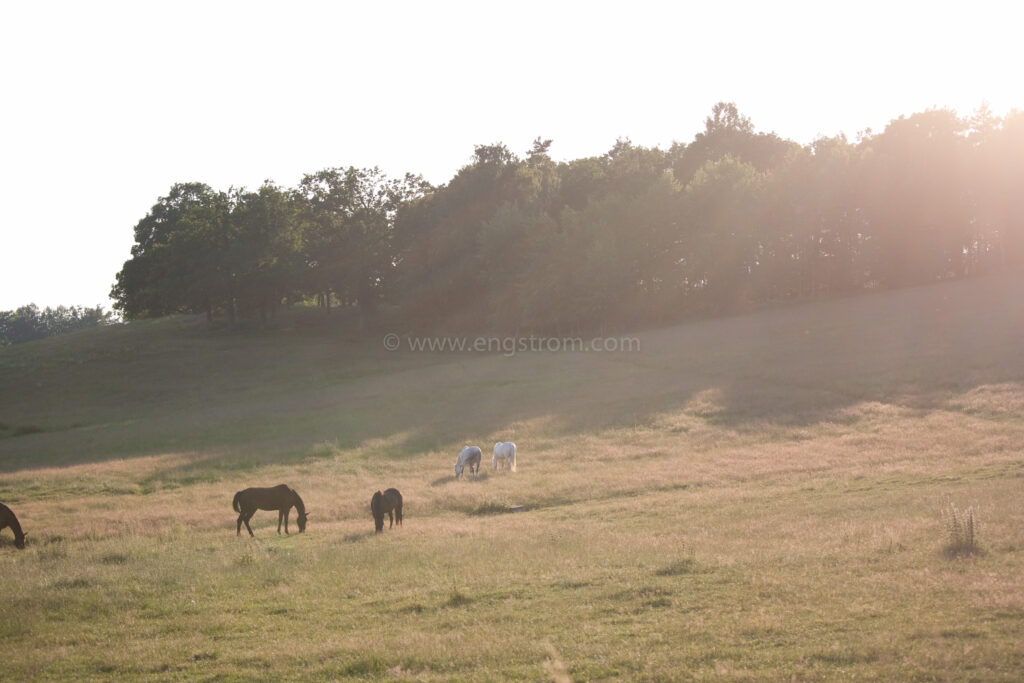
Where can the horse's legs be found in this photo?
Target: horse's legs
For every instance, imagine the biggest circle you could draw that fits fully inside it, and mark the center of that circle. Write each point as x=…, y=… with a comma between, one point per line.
x=243, y=517
x=391, y=519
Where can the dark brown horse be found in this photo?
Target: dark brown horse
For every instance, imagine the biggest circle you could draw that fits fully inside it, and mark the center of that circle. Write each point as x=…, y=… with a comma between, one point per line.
x=281, y=498
x=387, y=502
x=8, y=519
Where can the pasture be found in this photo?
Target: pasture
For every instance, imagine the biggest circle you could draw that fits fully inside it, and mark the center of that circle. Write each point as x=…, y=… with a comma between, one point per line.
x=753, y=497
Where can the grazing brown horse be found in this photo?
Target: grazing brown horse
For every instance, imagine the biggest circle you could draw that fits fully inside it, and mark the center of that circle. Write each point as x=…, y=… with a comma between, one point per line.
x=390, y=500
x=281, y=498
x=8, y=519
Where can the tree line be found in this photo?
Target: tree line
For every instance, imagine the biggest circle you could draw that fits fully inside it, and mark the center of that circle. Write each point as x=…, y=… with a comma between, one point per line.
x=733, y=219
x=28, y=323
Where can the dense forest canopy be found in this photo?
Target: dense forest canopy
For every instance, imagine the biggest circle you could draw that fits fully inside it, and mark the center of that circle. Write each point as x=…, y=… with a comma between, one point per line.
x=732, y=220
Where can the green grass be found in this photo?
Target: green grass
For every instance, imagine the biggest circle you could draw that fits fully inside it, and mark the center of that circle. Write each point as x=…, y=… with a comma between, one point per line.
x=756, y=497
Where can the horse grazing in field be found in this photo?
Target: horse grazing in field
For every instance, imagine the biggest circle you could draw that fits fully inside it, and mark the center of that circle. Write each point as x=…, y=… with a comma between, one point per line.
x=8, y=519
x=470, y=455
x=506, y=453
x=388, y=502
x=281, y=498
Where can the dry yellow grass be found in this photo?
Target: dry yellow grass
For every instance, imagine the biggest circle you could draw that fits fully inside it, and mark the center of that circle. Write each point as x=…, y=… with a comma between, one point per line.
x=758, y=497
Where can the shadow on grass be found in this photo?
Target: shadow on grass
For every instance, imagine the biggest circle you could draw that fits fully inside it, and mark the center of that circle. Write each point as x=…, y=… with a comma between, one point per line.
x=467, y=478
x=358, y=536
x=268, y=399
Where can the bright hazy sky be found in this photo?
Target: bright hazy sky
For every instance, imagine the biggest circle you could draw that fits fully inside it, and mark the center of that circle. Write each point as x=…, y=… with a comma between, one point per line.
x=104, y=105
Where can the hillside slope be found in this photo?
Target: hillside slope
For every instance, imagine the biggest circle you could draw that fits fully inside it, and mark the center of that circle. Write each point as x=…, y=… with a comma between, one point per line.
x=756, y=497
x=171, y=385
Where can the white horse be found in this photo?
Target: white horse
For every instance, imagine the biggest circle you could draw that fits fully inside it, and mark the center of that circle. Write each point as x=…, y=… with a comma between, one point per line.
x=470, y=455
x=506, y=452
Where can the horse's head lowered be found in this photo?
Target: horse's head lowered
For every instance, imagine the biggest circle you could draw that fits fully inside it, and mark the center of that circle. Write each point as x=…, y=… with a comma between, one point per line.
x=303, y=516
x=376, y=509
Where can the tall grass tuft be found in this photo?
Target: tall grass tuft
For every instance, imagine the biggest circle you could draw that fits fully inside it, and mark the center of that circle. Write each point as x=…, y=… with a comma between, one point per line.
x=960, y=529
x=458, y=599
x=490, y=507
x=685, y=564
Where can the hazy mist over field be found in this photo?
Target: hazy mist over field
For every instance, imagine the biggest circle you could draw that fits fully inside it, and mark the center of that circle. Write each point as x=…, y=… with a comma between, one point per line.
x=743, y=283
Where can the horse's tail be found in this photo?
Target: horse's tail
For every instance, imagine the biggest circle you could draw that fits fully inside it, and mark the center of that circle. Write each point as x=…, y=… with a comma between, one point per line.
x=235, y=504
x=513, y=467
x=8, y=518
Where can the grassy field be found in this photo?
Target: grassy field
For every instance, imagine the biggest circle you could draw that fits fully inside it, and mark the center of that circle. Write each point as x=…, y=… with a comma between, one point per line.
x=756, y=497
